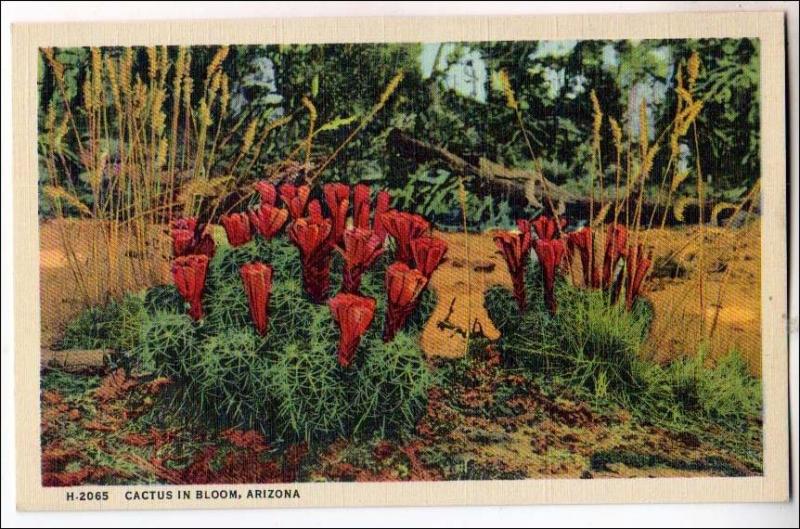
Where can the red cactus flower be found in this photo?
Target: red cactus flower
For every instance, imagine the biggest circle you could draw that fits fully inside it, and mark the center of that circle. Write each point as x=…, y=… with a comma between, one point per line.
x=428, y=252
x=515, y=248
x=354, y=315
x=268, y=220
x=404, y=228
x=583, y=241
x=182, y=241
x=184, y=223
x=267, y=192
x=237, y=228
x=636, y=266
x=295, y=198
x=185, y=240
x=361, y=249
x=616, y=239
x=337, y=197
x=547, y=228
x=403, y=287
x=550, y=254
x=361, y=206
x=205, y=246
x=257, y=279
x=315, y=211
x=381, y=207
x=312, y=239
x=189, y=274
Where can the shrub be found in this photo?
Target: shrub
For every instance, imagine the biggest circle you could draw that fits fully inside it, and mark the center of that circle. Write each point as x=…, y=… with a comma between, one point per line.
x=289, y=383
x=113, y=326
x=596, y=347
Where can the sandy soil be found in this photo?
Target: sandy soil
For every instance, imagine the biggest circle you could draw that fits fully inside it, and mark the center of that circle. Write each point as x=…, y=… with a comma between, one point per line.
x=60, y=291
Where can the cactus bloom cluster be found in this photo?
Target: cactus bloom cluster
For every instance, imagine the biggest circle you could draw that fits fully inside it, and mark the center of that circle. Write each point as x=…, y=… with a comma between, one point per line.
x=551, y=247
x=318, y=227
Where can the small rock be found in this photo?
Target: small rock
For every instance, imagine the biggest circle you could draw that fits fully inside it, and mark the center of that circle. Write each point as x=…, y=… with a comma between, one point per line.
x=586, y=475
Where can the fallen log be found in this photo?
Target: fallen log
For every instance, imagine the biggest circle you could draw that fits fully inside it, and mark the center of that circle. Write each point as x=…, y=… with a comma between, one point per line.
x=523, y=187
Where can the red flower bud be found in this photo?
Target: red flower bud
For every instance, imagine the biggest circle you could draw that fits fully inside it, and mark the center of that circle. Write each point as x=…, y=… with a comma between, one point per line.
x=189, y=275
x=616, y=239
x=267, y=192
x=354, y=315
x=381, y=207
x=548, y=227
x=315, y=211
x=237, y=228
x=361, y=249
x=550, y=254
x=636, y=267
x=404, y=228
x=583, y=241
x=185, y=239
x=182, y=241
x=428, y=253
x=403, y=287
x=268, y=220
x=184, y=223
x=295, y=198
x=312, y=239
x=516, y=248
x=361, y=206
x=257, y=279
x=337, y=198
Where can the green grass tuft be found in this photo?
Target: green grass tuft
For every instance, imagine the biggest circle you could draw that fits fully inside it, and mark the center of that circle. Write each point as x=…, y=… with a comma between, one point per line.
x=595, y=348
x=115, y=326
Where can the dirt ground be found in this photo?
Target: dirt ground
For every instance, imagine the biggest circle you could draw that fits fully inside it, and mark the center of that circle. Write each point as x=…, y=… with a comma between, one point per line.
x=61, y=293
x=488, y=423
x=731, y=291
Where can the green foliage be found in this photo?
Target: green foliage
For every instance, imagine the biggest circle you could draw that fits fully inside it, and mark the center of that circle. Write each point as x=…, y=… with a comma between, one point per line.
x=391, y=387
x=114, y=326
x=591, y=342
x=724, y=392
x=442, y=105
x=310, y=392
x=595, y=348
x=288, y=383
x=164, y=343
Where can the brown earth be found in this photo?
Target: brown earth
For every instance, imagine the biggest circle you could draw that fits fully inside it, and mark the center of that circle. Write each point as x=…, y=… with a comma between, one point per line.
x=486, y=423
x=68, y=284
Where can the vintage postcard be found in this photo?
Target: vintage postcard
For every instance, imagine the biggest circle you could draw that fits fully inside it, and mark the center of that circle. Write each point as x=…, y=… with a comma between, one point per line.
x=339, y=262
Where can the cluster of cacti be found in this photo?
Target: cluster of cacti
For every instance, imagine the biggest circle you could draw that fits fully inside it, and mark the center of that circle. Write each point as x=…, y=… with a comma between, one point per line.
x=317, y=233
x=553, y=255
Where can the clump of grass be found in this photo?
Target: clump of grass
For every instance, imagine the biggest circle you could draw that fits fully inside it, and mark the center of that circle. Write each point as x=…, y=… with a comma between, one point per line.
x=595, y=347
x=113, y=326
x=724, y=392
